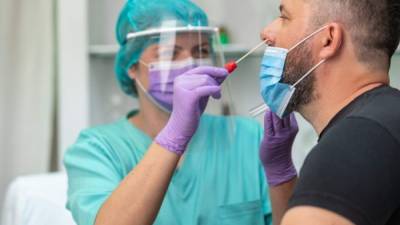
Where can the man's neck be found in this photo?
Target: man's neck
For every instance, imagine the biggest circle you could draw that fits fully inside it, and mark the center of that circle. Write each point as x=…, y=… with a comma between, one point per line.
x=329, y=103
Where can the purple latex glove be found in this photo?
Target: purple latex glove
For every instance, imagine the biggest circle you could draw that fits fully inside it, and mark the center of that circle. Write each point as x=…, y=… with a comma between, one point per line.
x=191, y=92
x=276, y=148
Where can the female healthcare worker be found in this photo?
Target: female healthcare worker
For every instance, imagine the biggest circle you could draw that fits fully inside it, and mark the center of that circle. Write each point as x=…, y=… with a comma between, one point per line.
x=142, y=169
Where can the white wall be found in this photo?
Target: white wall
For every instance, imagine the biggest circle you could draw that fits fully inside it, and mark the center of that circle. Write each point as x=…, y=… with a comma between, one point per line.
x=73, y=81
x=243, y=19
x=102, y=17
x=27, y=65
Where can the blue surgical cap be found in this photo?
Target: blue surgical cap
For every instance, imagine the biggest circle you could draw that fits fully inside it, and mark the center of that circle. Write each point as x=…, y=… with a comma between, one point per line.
x=140, y=15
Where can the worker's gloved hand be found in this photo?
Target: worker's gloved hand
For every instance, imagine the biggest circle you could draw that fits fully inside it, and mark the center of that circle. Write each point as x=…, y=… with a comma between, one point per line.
x=276, y=148
x=191, y=93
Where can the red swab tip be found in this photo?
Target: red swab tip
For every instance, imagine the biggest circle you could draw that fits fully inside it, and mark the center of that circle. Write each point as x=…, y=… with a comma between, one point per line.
x=231, y=66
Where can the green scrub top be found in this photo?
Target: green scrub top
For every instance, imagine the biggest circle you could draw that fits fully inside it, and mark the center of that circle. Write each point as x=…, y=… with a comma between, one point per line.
x=221, y=180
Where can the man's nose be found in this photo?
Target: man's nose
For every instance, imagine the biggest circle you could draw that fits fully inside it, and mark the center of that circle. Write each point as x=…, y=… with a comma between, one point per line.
x=268, y=34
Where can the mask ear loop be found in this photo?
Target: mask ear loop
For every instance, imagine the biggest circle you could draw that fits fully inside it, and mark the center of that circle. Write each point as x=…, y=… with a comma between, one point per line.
x=152, y=100
x=314, y=67
x=148, y=96
x=309, y=72
x=145, y=64
x=308, y=37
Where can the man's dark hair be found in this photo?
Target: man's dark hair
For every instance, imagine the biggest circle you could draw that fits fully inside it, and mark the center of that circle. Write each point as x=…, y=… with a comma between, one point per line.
x=374, y=25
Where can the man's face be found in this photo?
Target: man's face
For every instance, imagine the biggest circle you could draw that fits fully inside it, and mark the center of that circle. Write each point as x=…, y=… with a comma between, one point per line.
x=286, y=31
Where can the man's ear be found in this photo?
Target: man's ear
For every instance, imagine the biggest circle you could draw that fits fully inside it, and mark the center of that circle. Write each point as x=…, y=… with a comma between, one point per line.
x=332, y=40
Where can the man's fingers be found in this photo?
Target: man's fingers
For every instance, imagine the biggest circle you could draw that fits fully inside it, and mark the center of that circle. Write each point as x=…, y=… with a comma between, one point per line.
x=268, y=124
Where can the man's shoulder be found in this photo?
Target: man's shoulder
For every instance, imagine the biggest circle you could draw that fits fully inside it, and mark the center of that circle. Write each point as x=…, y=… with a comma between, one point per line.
x=358, y=137
x=378, y=108
x=384, y=101
x=354, y=148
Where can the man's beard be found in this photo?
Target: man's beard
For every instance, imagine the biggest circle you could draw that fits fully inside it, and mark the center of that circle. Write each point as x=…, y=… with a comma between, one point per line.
x=298, y=63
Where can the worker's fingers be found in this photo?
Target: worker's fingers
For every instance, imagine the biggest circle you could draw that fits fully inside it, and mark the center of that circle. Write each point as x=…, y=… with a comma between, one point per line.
x=193, y=81
x=217, y=95
x=206, y=91
x=215, y=72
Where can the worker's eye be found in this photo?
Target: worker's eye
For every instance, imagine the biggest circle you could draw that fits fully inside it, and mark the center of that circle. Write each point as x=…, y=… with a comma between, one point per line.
x=205, y=51
x=201, y=52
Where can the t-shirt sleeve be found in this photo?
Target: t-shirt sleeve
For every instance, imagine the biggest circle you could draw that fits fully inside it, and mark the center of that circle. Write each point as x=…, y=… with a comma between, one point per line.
x=93, y=174
x=354, y=171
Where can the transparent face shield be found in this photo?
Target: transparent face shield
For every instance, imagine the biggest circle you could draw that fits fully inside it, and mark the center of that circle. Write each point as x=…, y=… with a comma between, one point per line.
x=173, y=50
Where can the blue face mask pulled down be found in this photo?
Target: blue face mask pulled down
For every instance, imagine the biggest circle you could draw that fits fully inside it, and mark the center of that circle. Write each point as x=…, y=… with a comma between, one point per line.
x=277, y=95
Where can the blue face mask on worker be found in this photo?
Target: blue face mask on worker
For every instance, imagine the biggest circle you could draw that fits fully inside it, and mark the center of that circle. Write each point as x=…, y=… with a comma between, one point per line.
x=277, y=95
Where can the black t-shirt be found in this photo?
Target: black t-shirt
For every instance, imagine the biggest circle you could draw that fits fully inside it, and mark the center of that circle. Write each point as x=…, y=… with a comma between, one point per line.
x=354, y=170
